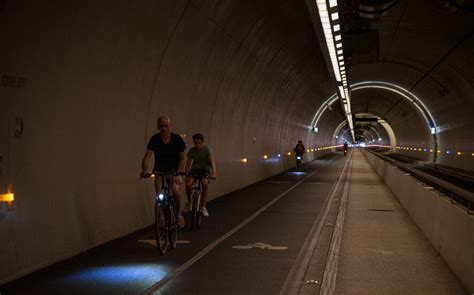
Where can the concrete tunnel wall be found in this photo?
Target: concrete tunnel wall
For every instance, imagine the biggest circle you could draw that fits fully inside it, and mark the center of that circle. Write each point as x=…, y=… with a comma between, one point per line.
x=87, y=81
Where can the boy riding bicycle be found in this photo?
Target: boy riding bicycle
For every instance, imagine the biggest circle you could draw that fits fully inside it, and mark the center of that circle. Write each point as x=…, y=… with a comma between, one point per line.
x=200, y=161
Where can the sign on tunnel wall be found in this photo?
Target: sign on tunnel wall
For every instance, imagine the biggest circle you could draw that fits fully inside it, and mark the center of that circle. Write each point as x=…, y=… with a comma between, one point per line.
x=9, y=81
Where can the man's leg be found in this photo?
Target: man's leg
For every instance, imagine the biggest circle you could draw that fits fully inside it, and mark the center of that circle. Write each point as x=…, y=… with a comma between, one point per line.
x=189, y=183
x=177, y=204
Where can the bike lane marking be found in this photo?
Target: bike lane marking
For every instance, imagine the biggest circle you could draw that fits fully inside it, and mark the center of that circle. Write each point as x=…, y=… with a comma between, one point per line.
x=211, y=246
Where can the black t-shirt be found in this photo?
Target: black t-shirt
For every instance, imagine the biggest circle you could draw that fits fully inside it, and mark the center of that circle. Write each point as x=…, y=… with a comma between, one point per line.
x=166, y=155
x=299, y=148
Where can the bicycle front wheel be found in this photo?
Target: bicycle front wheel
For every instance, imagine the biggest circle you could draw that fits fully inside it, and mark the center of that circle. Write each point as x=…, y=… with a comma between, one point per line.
x=195, y=216
x=172, y=227
x=161, y=231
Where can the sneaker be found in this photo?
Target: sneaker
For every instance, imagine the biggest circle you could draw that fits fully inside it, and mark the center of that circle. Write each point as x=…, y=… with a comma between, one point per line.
x=204, y=212
x=180, y=221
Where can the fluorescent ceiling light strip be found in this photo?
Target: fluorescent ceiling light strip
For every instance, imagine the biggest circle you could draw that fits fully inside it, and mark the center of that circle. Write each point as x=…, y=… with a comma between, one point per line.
x=338, y=67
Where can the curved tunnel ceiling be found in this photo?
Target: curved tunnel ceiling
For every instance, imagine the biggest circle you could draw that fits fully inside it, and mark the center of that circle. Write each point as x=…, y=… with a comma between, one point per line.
x=427, y=54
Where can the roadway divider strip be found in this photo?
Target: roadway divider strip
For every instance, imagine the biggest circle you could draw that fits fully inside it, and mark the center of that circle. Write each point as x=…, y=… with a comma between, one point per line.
x=295, y=278
x=328, y=285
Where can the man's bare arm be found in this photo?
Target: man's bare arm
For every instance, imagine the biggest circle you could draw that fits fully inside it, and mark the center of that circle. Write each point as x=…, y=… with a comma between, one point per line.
x=182, y=161
x=145, y=160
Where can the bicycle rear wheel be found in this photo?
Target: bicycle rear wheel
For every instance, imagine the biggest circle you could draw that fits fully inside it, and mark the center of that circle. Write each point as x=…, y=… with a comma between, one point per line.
x=172, y=227
x=161, y=232
x=195, y=215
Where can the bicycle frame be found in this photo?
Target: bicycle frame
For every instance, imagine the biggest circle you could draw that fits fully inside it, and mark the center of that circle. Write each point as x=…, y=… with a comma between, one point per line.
x=165, y=196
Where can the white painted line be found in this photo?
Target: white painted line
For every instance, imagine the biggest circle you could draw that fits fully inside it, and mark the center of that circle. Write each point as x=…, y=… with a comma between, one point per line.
x=277, y=248
x=211, y=246
x=317, y=183
x=182, y=242
x=294, y=280
x=328, y=285
x=279, y=181
x=153, y=242
x=259, y=245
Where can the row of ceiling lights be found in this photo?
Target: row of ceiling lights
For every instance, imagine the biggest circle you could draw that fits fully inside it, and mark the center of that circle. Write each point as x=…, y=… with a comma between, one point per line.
x=329, y=16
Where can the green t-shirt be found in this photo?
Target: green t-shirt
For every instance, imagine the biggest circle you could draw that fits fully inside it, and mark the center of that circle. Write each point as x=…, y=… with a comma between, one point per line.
x=200, y=158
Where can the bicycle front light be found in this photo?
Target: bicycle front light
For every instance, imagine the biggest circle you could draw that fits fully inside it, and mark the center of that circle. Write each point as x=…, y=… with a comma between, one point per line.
x=299, y=158
x=161, y=197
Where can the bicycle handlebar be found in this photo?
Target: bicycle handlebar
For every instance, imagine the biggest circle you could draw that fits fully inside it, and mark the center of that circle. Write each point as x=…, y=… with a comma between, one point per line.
x=164, y=174
x=200, y=176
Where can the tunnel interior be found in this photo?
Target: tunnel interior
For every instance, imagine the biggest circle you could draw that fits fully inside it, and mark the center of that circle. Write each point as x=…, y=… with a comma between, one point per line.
x=82, y=85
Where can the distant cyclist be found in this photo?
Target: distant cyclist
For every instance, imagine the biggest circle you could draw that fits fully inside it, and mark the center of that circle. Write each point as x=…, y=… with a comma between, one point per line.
x=200, y=161
x=299, y=148
x=168, y=149
x=345, y=148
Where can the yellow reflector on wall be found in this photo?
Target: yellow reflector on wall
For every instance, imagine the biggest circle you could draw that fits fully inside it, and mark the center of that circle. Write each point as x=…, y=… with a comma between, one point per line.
x=10, y=197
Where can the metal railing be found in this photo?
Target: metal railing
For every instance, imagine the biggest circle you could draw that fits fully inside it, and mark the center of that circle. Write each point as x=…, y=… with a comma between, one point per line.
x=456, y=194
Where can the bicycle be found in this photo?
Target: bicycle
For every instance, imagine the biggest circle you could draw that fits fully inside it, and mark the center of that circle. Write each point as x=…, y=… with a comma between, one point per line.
x=299, y=159
x=196, y=191
x=166, y=227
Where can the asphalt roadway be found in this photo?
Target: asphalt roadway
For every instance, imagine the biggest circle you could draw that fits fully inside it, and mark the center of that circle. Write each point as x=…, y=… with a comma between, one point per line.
x=257, y=240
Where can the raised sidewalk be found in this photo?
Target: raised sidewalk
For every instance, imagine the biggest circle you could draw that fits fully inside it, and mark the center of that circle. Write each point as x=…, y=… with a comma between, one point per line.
x=382, y=251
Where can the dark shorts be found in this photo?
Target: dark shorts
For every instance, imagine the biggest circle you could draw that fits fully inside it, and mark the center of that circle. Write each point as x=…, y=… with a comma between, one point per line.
x=204, y=172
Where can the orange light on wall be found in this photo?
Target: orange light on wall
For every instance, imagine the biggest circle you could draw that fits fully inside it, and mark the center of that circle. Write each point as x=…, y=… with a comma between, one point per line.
x=431, y=150
x=243, y=160
x=10, y=197
x=289, y=153
x=265, y=157
x=459, y=153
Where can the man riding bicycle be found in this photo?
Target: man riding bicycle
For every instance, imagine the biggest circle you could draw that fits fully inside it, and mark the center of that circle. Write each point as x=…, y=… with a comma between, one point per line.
x=200, y=161
x=168, y=149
